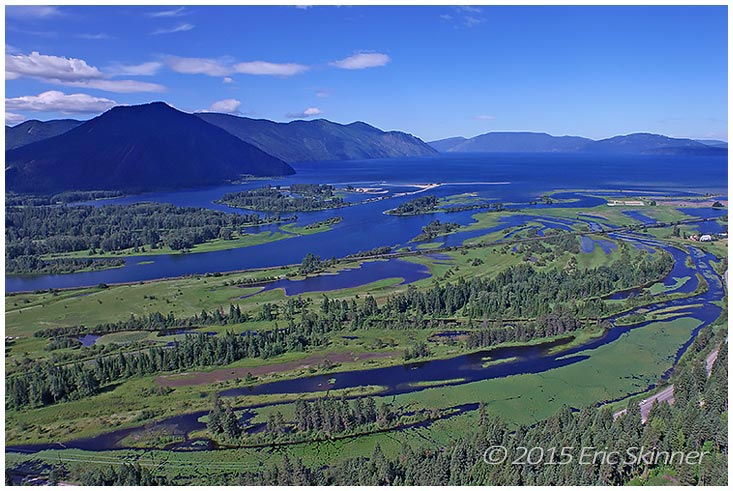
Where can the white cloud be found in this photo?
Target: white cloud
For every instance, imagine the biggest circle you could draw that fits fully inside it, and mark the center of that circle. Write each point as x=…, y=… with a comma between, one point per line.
x=13, y=118
x=72, y=72
x=49, y=67
x=228, y=80
x=148, y=68
x=360, y=61
x=267, y=68
x=470, y=20
x=169, y=13
x=308, y=113
x=465, y=16
x=223, y=68
x=485, y=117
x=170, y=30
x=55, y=101
x=228, y=106
x=31, y=11
x=322, y=94
x=119, y=86
x=194, y=66
x=303, y=7
x=469, y=8
x=95, y=37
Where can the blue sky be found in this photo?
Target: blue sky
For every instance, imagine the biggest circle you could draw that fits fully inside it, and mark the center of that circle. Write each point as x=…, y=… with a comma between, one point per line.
x=432, y=71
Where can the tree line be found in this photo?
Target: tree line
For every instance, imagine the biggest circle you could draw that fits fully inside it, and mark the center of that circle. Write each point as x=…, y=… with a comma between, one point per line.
x=31, y=232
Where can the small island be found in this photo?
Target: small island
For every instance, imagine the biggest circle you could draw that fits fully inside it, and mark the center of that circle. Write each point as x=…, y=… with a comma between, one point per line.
x=417, y=206
x=284, y=199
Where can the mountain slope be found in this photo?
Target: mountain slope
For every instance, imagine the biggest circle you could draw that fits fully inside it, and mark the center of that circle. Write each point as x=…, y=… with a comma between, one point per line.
x=304, y=141
x=151, y=146
x=34, y=130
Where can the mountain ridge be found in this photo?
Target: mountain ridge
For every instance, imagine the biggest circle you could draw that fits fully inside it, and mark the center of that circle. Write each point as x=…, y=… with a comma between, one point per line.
x=523, y=141
x=320, y=139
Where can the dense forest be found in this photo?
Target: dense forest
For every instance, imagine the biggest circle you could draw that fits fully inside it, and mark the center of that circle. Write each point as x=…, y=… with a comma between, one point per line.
x=32, y=232
x=296, y=197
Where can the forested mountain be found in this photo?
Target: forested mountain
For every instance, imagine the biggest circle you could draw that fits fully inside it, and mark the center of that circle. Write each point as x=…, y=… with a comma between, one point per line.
x=34, y=130
x=145, y=147
x=635, y=143
x=303, y=141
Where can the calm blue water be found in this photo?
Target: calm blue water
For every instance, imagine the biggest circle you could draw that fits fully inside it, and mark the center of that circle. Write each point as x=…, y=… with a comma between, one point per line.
x=369, y=272
x=639, y=216
x=507, y=178
x=89, y=339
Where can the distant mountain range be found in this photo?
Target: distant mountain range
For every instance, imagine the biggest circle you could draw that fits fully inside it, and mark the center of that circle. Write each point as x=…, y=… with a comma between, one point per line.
x=146, y=147
x=635, y=143
x=307, y=141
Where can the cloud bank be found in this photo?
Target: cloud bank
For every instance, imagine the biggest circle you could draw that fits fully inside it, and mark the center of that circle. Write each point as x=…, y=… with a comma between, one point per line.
x=56, y=101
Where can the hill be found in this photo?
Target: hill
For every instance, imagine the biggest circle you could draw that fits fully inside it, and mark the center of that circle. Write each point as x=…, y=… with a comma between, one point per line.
x=34, y=130
x=446, y=144
x=305, y=141
x=135, y=148
x=635, y=143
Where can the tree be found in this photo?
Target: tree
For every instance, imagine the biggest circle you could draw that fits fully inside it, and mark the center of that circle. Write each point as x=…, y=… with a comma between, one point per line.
x=230, y=422
x=215, y=424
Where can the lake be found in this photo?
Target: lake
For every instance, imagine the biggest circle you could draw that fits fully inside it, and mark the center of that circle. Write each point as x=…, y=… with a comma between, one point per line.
x=506, y=178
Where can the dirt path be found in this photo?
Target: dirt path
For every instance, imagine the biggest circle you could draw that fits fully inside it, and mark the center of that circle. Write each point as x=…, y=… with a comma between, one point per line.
x=223, y=374
x=667, y=394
